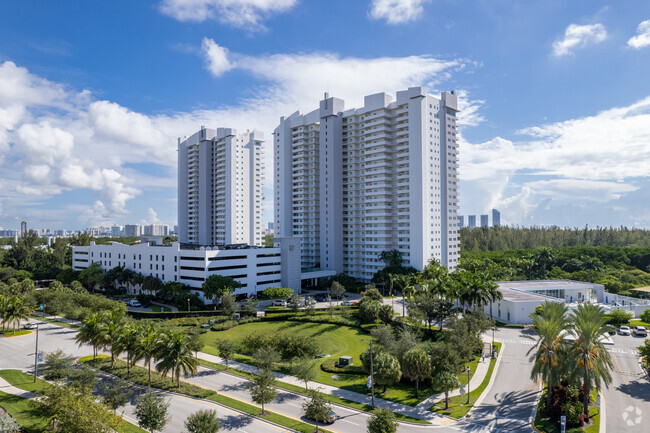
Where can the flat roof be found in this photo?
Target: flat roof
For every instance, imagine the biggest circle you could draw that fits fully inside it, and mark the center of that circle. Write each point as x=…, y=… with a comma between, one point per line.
x=514, y=295
x=546, y=284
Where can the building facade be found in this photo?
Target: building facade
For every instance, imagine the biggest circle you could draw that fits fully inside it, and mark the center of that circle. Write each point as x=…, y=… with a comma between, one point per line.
x=484, y=221
x=220, y=188
x=256, y=268
x=496, y=218
x=353, y=183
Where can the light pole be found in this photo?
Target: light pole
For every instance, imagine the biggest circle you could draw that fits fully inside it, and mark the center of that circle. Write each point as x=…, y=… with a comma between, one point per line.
x=372, y=373
x=188, y=305
x=36, y=356
x=468, y=384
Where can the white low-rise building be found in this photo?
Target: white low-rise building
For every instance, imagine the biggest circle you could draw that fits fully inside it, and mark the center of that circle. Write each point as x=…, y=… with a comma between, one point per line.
x=256, y=268
x=520, y=298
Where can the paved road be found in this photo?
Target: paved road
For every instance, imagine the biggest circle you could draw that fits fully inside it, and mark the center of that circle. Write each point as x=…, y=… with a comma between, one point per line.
x=628, y=397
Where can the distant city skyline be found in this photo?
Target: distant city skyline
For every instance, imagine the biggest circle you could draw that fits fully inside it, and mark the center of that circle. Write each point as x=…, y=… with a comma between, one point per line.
x=554, y=98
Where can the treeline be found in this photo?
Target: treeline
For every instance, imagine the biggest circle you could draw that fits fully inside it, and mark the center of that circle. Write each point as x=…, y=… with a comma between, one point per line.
x=514, y=238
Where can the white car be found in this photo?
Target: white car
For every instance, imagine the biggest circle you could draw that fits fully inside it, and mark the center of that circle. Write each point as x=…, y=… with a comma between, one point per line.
x=134, y=303
x=279, y=303
x=624, y=330
x=640, y=331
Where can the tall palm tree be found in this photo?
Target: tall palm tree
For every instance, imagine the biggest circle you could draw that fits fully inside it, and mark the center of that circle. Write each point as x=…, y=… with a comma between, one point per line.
x=3, y=309
x=128, y=342
x=550, y=351
x=591, y=359
x=111, y=330
x=148, y=346
x=176, y=356
x=15, y=311
x=92, y=332
x=493, y=294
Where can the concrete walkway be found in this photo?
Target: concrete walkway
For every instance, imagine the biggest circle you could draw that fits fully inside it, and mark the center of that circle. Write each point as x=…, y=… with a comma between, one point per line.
x=420, y=411
x=8, y=388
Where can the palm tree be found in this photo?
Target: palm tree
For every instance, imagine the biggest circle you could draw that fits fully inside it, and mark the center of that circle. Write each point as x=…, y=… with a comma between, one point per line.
x=15, y=311
x=493, y=294
x=111, y=330
x=3, y=309
x=176, y=356
x=545, y=257
x=148, y=346
x=550, y=351
x=128, y=342
x=92, y=332
x=592, y=361
x=590, y=264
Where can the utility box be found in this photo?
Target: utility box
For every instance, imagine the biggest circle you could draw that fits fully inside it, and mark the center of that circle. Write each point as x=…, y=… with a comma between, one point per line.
x=345, y=360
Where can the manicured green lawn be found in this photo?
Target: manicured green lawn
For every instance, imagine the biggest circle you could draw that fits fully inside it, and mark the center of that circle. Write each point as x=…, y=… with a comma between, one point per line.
x=22, y=380
x=160, y=309
x=457, y=405
x=19, y=332
x=636, y=322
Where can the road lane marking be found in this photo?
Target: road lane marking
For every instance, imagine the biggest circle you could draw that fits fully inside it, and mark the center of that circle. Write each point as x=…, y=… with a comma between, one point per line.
x=349, y=422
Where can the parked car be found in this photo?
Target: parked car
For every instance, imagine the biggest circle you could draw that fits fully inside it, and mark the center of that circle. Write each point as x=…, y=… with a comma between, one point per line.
x=29, y=325
x=279, y=303
x=331, y=417
x=624, y=330
x=349, y=303
x=640, y=331
x=611, y=330
x=133, y=303
x=308, y=301
x=321, y=297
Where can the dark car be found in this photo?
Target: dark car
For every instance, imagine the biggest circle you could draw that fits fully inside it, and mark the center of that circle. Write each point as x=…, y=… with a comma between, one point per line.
x=611, y=329
x=321, y=297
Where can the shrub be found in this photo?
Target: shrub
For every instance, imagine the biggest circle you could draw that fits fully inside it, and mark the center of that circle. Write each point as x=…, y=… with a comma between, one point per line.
x=645, y=316
x=369, y=311
x=329, y=365
x=287, y=345
x=619, y=317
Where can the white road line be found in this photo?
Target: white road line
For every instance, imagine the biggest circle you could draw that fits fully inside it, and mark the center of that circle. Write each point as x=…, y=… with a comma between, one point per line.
x=294, y=404
x=349, y=422
x=242, y=431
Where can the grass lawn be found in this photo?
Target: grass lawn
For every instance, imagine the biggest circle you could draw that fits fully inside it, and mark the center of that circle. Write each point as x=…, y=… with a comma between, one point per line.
x=139, y=376
x=301, y=390
x=543, y=425
x=636, y=322
x=32, y=419
x=335, y=340
x=19, y=332
x=457, y=407
x=160, y=309
x=56, y=322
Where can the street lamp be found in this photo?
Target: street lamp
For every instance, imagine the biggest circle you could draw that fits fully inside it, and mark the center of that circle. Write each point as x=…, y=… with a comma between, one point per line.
x=36, y=356
x=468, y=384
x=372, y=373
x=188, y=305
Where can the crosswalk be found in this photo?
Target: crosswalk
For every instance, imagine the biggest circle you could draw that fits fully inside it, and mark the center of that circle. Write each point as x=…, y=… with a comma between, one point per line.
x=478, y=428
x=625, y=351
x=517, y=341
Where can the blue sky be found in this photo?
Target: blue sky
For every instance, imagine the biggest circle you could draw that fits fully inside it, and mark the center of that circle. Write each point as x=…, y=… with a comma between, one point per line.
x=93, y=95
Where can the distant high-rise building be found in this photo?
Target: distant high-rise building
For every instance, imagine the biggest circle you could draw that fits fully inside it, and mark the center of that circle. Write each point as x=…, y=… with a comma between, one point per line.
x=484, y=221
x=471, y=221
x=461, y=221
x=132, y=230
x=352, y=183
x=23, y=228
x=220, y=187
x=116, y=230
x=496, y=218
x=155, y=230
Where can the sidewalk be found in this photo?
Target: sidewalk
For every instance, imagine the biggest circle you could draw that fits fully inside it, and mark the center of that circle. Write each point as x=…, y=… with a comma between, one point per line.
x=7, y=388
x=420, y=411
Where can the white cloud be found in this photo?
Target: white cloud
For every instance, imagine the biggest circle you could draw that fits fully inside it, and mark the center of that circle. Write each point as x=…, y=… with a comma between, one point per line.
x=642, y=38
x=152, y=217
x=216, y=57
x=247, y=14
x=578, y=36
x=396, y=11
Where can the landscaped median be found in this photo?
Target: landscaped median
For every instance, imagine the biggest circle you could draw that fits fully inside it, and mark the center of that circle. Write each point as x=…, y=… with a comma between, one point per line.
x=139, y=376
x=25, y=413
x=544, y=425
x=458, y=406
x=17, y=333
x=300, y=390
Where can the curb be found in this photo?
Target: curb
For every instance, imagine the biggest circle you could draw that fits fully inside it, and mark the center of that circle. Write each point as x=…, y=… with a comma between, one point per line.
x=481, y=397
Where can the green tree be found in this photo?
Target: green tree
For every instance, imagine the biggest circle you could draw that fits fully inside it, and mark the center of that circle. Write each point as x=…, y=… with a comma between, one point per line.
x=446, y=381
x=444, y=357
x=175, y=355
x=128, y=341
x=228, y=305
x=295, y=302
x=387, y=370
x=203, y=421
x=226, y=350
x=549, y=352
x=337, y=290
x=277, y=292
x=316, y=408
x=115, y=392
x=56, y=285
x=590, y=356
x=416, y=366
x=262, y=388
x=91, y=333
x=391, y=258
x=266, y=357
x=75, y=411
x=620, y=317
x=148, y=347
x=304, y=368
x=57, y=366
x=92, y=276
x=369, y=311
x=15, y=311
x=151, y=411
x=82, y=378
x=386, y=313
x=250, y=307
x=370, y=294
x=215, y=286
x=645, y=316
x=112, y=332
x=644, y=350
x=382, y=421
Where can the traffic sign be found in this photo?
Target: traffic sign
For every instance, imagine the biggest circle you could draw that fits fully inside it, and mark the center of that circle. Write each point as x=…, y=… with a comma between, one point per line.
x=42, y=307
x=562, y=424
x=598, y=402
x=462, y=390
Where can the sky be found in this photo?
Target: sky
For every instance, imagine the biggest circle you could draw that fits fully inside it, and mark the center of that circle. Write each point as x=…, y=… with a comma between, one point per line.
x=555, y=97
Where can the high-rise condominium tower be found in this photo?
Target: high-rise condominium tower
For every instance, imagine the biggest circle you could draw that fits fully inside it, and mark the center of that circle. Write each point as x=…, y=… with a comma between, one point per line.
x=219, y=188
x=353, y=183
